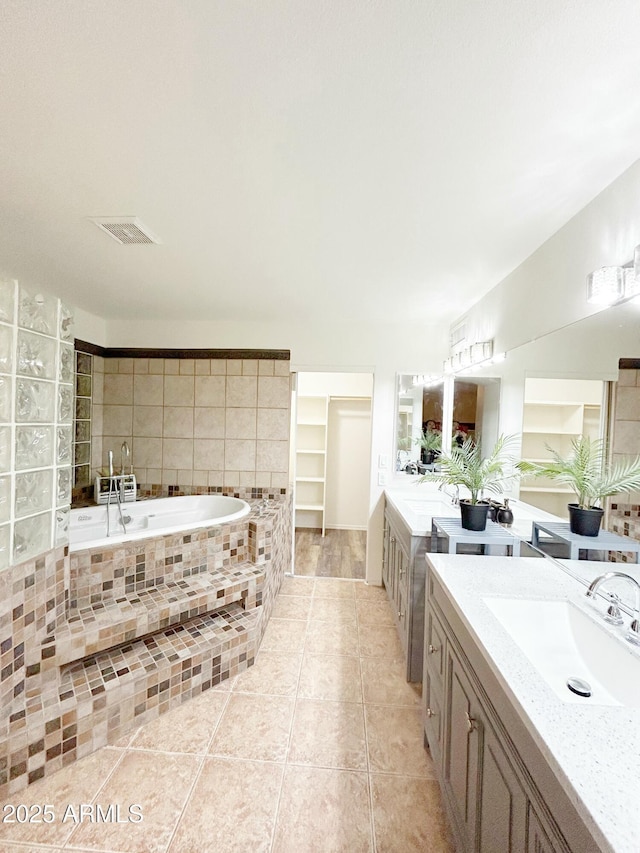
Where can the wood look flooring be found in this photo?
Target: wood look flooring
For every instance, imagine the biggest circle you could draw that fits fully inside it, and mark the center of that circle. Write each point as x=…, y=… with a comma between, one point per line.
x=337, y=554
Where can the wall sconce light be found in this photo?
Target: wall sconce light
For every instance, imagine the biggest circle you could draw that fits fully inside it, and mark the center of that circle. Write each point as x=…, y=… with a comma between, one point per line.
x=477, y=355
x=605, y=286
x=426, y=381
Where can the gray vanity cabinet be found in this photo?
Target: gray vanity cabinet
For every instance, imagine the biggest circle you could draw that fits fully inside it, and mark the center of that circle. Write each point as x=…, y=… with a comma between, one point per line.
x=499, y=792
x=403, y=574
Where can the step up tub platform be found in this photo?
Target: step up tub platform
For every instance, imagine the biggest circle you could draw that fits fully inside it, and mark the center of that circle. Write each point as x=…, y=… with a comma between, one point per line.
x=107, y=638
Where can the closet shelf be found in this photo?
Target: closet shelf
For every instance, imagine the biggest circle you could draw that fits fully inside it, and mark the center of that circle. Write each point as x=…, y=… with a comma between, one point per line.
x=311, y=455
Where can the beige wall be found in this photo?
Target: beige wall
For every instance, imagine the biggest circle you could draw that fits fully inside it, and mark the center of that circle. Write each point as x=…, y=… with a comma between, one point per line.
x=197, y=422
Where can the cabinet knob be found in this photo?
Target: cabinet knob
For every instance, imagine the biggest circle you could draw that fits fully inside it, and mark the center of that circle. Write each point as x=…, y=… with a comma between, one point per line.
x=472, y=723
x=430, y=713
x=432, y=649
x=393, y=539
x=400, y=614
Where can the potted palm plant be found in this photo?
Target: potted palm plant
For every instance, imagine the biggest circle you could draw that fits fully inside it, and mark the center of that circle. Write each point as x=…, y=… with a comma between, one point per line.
x=464, y=465
x=590, y=476
x=430, y=445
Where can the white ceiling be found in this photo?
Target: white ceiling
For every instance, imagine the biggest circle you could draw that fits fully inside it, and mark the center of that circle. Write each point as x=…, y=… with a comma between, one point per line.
x=371, y=160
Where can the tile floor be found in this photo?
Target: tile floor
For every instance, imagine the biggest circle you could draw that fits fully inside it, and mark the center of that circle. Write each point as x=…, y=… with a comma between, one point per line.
x=317, y=747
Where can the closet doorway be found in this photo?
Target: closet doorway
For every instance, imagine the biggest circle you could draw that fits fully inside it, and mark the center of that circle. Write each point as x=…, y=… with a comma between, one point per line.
x=331, y=458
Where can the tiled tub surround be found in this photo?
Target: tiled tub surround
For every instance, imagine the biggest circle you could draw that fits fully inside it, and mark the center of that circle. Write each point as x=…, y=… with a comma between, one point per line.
x=195, y=422
x=97, y=642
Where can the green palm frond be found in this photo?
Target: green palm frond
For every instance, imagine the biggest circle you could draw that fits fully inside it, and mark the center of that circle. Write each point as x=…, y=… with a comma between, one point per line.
x=464, y=466
x=586, y=472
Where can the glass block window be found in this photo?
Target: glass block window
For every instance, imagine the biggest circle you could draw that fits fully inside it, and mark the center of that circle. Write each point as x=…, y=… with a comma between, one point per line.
x=36, y=412
x=82, y=421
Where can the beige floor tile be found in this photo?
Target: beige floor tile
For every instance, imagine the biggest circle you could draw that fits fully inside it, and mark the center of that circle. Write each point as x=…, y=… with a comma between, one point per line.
x=284, y=635
x=328, y=734
x=254, y=727
x=388, y=685
x=370, y=592
x=232, y=808
x=160, y=784
x=76, y=783
x=395, y=741
x=332, y=638
x=297, y=586
x=333, y=609
x=188, y=728
x=379, y=641
x=408, y=815
x=333, y=677
x=292, y=607
x=276, y=673
x=374, y=612
x=334, y=588
x=324, y=811
x=20, y=848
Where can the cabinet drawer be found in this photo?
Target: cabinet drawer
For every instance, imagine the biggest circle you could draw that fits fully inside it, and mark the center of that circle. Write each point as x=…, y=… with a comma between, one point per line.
x=434, y=649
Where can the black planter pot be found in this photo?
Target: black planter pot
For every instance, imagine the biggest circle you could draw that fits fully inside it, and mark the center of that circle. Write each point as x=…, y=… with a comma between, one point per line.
x=428, y=456
x=585, y=522
x=474, y=516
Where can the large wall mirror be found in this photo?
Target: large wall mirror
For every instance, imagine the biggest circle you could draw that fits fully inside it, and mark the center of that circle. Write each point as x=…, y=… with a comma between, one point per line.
x=419, y=407
x=476, y=410
x=422, y=408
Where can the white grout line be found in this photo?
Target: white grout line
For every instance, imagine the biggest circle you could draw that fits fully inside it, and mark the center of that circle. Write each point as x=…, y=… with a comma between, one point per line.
x=198, y=772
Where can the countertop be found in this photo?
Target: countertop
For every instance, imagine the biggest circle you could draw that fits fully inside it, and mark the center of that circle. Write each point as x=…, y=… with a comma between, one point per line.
x=418, y=503
x=592, y=749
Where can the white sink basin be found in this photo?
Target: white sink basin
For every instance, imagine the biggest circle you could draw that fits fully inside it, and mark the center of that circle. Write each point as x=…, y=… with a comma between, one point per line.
x=562, y=642
x=431, y=507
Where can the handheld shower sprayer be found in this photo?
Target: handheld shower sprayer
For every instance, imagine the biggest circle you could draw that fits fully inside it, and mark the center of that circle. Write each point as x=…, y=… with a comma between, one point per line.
x=125, y=454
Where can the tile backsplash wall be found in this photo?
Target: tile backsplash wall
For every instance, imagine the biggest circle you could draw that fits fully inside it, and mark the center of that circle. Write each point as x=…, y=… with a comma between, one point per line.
x=195, y=423
x=624, y=511
x=36, y=413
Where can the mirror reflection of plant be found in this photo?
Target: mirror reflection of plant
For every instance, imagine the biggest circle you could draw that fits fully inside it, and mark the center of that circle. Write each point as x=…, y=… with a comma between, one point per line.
x=465, y=466
x=587, y=472
x=430, y=440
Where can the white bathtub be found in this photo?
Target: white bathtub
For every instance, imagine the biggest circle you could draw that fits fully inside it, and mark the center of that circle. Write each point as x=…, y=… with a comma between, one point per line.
x=88, y=525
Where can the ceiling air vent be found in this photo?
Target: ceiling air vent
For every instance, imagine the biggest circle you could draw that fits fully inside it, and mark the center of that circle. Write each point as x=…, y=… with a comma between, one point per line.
x=127, y=230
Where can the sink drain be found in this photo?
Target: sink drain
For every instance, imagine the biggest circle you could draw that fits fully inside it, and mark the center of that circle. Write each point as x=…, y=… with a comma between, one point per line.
x=579, y=686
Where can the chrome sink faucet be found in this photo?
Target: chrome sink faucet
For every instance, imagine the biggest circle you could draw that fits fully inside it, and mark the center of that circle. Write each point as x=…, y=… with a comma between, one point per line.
x=633, y=634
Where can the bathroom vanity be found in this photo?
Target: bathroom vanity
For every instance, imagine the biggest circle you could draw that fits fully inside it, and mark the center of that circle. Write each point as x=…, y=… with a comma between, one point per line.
x=522, y=765
x=407, y=538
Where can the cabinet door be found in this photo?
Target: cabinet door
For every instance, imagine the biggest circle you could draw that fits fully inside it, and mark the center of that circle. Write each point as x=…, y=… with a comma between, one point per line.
x=434, y=657
x=402, y=569
x=503, y=804
x=539, y=840
x=464, y=732
x=386, y=544
x=393, y=567
x=433, y=719
x=402, y=617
